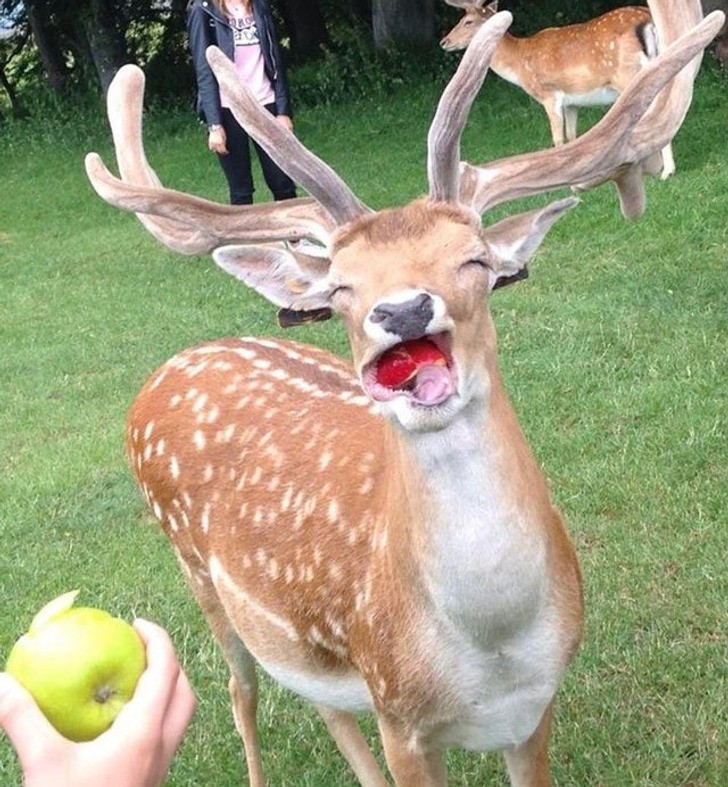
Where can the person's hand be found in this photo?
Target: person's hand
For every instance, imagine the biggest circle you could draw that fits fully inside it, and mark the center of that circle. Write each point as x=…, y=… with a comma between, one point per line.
x=217, y=140
x=285, y=121
x=135, y=751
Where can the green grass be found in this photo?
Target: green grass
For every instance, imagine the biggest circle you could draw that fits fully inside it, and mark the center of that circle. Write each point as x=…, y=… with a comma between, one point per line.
x=614, y=353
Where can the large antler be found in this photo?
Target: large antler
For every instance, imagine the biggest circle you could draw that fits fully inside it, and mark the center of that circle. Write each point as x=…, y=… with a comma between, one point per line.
x=645, y=117
x=283, y=147
x=188, y=224
x=637, y=126
x=443, y=140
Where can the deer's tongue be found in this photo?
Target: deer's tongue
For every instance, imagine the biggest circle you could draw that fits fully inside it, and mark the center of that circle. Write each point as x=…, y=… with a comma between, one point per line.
x=433, y=384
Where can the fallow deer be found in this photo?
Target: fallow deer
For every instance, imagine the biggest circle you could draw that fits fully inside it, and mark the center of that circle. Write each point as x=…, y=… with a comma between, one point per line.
x=564, y=68
x=379, y=546
x=721, y=41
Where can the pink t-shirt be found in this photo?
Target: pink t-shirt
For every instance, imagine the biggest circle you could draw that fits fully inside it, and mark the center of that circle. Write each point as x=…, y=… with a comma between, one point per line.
x=249, y=60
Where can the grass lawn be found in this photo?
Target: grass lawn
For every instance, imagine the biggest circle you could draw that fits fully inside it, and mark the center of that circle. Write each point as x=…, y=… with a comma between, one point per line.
x=614, y=352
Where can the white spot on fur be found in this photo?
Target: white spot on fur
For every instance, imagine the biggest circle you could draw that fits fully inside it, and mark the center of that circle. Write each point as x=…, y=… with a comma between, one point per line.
x=205, y=518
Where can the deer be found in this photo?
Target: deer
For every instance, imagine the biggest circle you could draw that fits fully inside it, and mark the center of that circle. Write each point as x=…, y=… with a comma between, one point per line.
x=376, y=534
x=564, y=68
x=720, y=51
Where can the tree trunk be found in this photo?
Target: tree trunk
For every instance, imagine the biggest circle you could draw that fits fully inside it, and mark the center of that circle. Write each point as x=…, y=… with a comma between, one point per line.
x=51, y=56
x=20, y=42
x=105, y=41
x=305, y=25
x=397, y=22
x=12, y=95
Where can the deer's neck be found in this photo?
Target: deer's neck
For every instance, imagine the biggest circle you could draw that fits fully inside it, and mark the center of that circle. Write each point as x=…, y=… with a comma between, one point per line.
x=472, y=525
x=509, y=59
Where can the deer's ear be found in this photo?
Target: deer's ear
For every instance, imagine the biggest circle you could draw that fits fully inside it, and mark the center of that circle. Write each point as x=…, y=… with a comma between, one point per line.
x=513, y=241
x=286, y=279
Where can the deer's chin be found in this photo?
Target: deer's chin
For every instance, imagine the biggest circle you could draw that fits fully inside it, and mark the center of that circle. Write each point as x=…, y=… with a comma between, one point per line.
x=413, y=417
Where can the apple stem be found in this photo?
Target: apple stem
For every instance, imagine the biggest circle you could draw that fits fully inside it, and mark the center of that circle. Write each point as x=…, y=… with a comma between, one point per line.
x=103, y=694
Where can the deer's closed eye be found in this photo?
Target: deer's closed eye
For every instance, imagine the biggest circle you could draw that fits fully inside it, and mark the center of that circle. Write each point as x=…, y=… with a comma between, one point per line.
x=472, y=271
x=340, y=291
x=475, y=264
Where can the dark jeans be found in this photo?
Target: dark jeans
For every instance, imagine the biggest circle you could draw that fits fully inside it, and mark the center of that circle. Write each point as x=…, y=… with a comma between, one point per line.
x=237, y=169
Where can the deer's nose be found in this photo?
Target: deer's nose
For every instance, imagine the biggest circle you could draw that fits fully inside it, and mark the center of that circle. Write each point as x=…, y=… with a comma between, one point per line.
x=408, y=320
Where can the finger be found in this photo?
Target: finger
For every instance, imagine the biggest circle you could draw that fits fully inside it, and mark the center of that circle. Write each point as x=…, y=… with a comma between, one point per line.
x=156, y=686
x=24, y=723
x=179, y=714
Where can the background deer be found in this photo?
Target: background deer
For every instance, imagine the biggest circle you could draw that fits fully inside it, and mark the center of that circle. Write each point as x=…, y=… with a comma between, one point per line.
x=721, y=42
x=564, y=68
x=384, y=545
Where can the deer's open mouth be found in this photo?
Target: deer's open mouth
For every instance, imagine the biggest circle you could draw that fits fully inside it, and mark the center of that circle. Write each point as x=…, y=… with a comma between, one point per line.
x=420, y=369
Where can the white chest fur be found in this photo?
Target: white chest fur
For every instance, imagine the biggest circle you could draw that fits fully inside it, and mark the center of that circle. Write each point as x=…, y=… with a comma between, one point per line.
x=497, y=638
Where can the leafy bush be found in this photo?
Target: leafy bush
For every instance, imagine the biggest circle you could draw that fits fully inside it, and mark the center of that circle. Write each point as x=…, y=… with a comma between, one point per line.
x=351, y=68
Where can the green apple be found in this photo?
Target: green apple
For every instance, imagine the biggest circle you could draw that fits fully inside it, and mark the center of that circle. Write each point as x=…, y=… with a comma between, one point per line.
x=81, y=666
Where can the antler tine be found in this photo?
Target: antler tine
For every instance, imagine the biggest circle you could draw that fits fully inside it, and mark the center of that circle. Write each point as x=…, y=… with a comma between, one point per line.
x=671, y=21
x=443, y=140
x=124, y=105
x=613, y=149
x=209, y=224
x=314, y=175
x=667, y=112
x=187, y=224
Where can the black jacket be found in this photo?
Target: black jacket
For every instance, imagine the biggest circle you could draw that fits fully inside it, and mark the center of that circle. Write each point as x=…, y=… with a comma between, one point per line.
x=206, y=26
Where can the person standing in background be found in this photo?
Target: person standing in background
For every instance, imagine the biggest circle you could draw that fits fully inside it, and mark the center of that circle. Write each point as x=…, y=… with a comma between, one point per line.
x=244, y=30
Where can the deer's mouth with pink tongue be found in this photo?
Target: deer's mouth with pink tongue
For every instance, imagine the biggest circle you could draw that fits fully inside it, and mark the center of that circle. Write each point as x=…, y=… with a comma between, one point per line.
x=420, y=369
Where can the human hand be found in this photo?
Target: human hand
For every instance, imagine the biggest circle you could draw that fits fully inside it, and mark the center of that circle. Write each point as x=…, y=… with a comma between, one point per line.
x=135, y=751
x=217, y=141
x=285, y=121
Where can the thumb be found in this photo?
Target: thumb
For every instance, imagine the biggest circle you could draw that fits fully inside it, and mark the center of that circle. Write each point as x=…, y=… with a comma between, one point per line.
x=22, y=720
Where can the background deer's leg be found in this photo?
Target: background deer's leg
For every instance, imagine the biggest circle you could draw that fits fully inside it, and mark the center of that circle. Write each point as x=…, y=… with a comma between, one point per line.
x=554, y=110
x=409, y=764
x=344, y=729
x=570, y=116
x=528, y=764
x=668, y=162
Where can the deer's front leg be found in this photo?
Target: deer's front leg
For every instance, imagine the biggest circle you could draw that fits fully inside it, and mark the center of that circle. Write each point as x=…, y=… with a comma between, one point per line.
x=528, y=764
x=409, y=763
